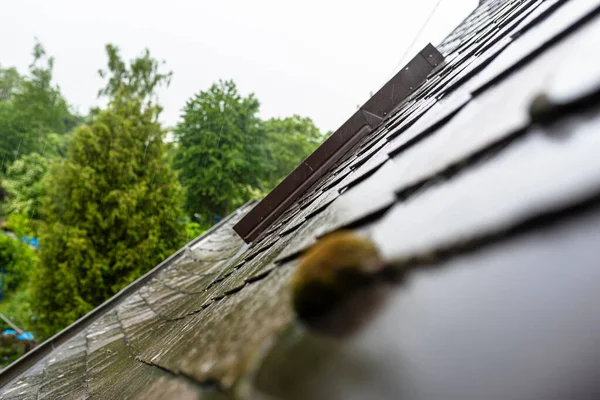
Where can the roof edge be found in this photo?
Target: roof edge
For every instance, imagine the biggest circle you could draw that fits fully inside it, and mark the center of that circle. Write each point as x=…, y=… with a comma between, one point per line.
x=28, y=360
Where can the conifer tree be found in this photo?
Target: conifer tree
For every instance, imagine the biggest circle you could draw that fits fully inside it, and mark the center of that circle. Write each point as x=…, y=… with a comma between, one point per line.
x=112, y=208
x=24, y=185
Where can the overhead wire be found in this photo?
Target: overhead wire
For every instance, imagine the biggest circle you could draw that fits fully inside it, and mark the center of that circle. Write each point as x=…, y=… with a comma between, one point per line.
x=414, y=41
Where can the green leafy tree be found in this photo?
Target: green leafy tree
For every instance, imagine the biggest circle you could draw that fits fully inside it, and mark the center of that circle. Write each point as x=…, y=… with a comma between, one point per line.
x=24, y=186
x=112, y=209
x=290, y=140
x=10, y=83
x=16, y=305
x=221, y=151
x=16, y=257
x=31, y=108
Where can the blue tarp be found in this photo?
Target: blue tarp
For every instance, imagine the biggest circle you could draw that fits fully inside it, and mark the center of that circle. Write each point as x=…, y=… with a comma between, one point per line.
x=33, y=242
x=22, y=336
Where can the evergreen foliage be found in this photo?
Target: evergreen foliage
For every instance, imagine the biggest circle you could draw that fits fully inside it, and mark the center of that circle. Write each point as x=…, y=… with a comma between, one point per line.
x=112, y=208
x=24, y=186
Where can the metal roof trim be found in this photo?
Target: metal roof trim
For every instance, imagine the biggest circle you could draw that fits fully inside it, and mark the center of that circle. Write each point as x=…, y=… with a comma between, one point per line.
x=361, y=123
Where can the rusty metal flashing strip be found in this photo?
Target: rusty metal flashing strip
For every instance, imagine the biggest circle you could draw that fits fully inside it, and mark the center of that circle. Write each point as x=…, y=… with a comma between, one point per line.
x=28, y=360
x=363, y=122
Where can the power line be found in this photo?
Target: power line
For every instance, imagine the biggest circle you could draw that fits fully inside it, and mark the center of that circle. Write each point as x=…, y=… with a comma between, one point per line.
x=11, y=324
x=417, y=36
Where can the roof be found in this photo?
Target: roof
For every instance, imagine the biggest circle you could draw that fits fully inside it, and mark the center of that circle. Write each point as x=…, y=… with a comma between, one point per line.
x=485, y=180
x=362, y=123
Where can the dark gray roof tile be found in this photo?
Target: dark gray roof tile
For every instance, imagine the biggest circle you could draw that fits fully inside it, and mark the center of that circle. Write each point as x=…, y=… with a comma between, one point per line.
x=217, y=344
x=365, y=170
x=513, y=320
x=486, y=120
x=439, y=113
x=360, y=203
x=542, y=11
x=476, y=64
x=308, y=233
x=549, y=169
x=542, y=35
x=25, y=388
x=420, y=107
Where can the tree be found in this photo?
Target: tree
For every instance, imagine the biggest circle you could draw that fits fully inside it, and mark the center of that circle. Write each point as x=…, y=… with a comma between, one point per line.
x=290, y=140
x=18, y=260
x=23, y=184
x=31, y=108
x=111, y=210
x=221, y=151
x=10, y=83
x=16, y=257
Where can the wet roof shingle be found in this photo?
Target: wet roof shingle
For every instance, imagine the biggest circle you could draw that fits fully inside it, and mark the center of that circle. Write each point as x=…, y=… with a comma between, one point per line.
x=466, y=176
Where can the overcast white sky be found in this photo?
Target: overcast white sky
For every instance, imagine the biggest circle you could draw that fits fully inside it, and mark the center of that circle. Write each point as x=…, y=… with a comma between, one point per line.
x=314, y=58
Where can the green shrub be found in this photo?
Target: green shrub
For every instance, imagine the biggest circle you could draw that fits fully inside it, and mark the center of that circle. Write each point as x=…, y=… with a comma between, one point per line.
x=16, y=257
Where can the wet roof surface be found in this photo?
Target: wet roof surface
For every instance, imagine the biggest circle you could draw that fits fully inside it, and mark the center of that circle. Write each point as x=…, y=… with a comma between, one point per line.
x=486, y=180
